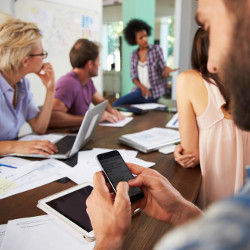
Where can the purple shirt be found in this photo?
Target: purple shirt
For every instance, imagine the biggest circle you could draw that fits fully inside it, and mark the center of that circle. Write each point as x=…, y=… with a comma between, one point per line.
x=12, y=119
x=73, y=94
x=156, y=65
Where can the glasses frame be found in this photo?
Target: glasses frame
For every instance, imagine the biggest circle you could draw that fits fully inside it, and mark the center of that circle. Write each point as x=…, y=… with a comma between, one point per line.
x=44, y=54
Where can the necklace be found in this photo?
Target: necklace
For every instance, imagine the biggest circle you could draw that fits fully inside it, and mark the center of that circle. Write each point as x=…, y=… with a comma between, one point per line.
x=16, y=96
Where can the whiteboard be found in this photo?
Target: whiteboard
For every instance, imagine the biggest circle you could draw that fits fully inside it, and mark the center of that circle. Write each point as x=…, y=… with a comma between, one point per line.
x=61, y=24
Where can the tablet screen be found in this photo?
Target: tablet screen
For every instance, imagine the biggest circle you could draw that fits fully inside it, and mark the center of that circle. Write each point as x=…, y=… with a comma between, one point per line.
x=73, y=207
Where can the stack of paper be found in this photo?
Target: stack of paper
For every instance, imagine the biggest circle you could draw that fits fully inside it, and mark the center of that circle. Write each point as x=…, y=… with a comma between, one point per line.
x=151, y=139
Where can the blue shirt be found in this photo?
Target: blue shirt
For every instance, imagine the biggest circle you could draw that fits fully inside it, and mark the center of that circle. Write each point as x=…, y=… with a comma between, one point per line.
x=12, y=119
x=156, y=65
x=226, y=225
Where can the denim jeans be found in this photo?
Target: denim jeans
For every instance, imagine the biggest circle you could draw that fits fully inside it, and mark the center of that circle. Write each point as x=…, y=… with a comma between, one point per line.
x=134, y=97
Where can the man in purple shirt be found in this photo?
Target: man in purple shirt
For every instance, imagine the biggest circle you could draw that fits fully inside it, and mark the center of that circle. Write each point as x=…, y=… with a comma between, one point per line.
x=75, y=91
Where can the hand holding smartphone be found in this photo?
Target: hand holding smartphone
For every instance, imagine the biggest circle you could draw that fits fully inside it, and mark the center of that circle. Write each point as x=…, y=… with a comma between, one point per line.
x=116, y=170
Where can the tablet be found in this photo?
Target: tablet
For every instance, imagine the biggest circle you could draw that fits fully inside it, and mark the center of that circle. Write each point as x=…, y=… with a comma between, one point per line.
x=69, y=207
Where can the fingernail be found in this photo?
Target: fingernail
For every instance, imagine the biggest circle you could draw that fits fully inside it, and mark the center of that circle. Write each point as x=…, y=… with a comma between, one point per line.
x=131, y=181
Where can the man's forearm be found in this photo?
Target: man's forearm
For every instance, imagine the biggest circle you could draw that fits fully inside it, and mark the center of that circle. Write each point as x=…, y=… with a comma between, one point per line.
x=61, y=120
x=185, y=212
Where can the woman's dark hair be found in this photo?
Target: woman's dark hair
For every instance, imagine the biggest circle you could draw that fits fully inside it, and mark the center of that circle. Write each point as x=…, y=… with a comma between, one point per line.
x=83, y=51
x=199, y=58
x=132, y=28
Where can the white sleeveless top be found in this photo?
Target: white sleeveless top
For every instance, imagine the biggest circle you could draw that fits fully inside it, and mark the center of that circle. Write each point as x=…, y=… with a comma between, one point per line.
x=143, y=74
x=224, y=151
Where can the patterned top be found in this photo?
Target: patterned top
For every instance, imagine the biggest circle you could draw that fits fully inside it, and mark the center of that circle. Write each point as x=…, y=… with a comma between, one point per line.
x=156, y=65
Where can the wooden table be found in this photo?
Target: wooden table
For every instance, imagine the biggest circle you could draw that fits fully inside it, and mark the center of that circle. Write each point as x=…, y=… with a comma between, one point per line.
x=145, y=231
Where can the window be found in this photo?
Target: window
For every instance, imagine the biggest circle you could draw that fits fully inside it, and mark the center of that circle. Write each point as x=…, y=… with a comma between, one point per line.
x=111, y=54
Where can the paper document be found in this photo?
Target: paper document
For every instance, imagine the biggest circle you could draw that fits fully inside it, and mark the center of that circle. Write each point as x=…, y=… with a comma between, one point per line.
x=2, y=233
x=174, y=122
x=151, y=139
x=39, y=233
x=168, y=149
x=117, y=124
x=87, y=164
x=148, y=106
x=32, y=175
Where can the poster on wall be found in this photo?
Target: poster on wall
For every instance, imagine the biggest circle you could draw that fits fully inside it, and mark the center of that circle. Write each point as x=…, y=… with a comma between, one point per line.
x=61, y=24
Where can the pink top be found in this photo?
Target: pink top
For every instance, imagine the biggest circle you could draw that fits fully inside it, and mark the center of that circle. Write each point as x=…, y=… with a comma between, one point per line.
x=224, y=151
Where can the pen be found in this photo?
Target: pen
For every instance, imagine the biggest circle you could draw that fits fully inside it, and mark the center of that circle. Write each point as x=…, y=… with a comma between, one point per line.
x=146, y=96
x=7, y=166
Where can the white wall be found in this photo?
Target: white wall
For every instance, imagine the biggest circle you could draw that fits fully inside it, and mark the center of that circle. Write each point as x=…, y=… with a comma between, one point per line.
x=7, y=6
x=21, y=9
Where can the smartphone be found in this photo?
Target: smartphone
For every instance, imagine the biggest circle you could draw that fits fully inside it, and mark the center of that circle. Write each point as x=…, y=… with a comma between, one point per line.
x=116, y=170
x=133, y=110
x=69, y=207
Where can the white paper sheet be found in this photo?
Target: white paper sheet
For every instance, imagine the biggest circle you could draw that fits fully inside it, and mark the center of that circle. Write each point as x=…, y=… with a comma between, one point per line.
x=36, y=174
x=174, y=122
x=39, y=233
x=2, y=233
x=168, y=149
x=19, y=164
x=121, y=123
x=147, y=106
x=87, y=164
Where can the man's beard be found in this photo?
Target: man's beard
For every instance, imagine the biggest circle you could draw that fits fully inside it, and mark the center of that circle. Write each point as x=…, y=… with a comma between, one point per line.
x=236, y=76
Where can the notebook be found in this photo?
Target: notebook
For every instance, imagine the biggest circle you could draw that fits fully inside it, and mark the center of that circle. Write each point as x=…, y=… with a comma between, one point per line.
x=69, y=144
x=150, y=140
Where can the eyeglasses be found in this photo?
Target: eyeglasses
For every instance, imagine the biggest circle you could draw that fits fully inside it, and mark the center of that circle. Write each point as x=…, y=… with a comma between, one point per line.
x=44, y=54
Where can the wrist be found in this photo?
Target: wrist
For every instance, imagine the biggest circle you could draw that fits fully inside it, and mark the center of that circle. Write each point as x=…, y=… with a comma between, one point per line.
x=185, y=211
x=51, y=91
x=111, y=244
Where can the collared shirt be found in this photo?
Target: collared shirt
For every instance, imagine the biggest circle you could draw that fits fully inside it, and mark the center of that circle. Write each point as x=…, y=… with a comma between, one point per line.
x=12, y=119
x=226, y=225
x=155, y=65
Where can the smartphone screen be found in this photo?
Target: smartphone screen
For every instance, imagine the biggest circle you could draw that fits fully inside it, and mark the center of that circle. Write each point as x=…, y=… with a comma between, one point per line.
x=116, y=171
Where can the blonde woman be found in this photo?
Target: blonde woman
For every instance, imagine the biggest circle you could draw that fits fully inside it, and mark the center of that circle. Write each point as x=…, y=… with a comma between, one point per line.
x=21, y=53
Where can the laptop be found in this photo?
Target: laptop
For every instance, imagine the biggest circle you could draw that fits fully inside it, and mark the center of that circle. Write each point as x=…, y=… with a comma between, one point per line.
x=70, y=144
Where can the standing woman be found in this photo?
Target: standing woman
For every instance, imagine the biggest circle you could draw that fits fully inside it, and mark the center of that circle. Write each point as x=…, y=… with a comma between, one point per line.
x=21, y=53
x=148, y=68
x=208, y=133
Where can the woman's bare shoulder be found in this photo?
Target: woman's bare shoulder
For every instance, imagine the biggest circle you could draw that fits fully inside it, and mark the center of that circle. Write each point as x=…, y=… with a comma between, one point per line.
x=190, y=74
x=189, y=78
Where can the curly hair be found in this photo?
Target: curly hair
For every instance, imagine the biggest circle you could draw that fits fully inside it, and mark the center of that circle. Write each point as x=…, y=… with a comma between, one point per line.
x=133, y=26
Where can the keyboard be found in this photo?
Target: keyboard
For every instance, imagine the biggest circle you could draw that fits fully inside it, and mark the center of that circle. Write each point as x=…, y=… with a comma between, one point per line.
x=65, y=144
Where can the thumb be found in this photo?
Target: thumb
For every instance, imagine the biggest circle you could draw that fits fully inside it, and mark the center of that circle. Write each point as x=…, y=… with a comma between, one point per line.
x=122, y=197
x=144, y=180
